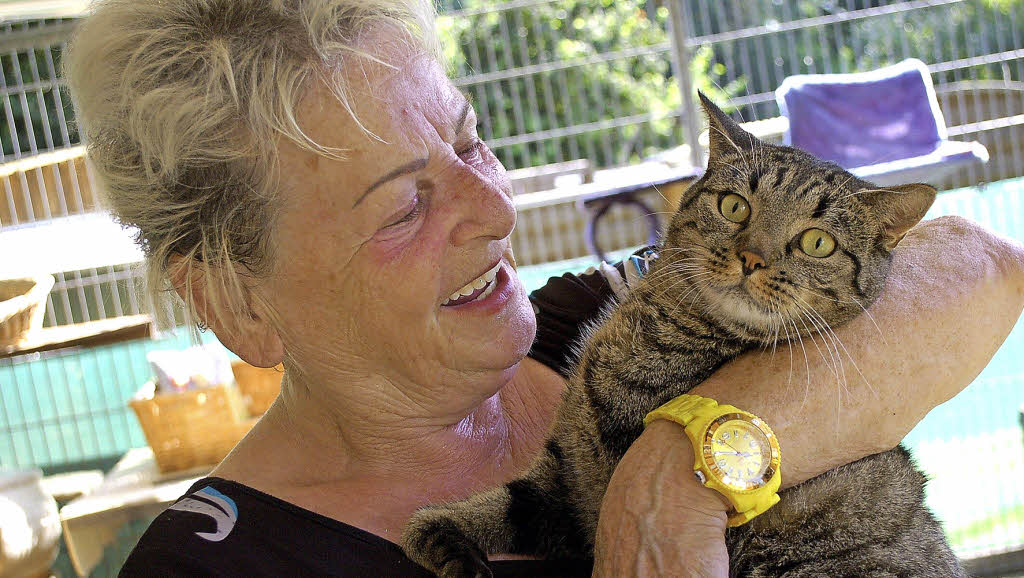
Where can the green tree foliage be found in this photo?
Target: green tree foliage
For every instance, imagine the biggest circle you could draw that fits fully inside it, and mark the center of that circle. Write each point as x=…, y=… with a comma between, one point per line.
x=567, y=69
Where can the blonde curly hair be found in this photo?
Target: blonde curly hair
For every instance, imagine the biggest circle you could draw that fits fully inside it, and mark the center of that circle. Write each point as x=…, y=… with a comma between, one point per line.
x=182, y=104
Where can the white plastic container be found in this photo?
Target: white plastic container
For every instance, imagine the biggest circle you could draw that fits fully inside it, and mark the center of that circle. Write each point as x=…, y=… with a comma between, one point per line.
x=29, y=525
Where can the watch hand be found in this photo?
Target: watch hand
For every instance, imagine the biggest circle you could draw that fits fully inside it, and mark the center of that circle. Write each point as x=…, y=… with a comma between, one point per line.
x=742, y=454
x=730, y=446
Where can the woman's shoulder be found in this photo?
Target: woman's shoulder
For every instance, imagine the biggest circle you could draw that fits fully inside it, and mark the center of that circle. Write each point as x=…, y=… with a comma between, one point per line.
x=221, y=527
x=567, y=304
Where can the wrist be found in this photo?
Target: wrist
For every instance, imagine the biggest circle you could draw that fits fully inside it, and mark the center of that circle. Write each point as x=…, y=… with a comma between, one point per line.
x=668, y=441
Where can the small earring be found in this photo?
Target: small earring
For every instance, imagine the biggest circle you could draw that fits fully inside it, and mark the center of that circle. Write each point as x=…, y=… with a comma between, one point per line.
x=202, y=326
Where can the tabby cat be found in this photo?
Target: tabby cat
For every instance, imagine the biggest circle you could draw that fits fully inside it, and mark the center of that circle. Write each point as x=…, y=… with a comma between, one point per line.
x=770, y=243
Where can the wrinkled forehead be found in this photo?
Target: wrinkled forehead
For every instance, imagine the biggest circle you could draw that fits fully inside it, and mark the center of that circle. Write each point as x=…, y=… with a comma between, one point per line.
x=387, y=97
x=394, y=104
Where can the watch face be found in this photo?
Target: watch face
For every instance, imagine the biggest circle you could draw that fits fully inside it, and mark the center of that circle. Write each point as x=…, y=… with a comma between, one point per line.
x=738, y=451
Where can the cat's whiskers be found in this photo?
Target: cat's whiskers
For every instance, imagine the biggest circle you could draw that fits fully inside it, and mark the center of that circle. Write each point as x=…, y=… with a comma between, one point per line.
x=872, y=318
x=693, y=246
x=767, y=340
x=840, y=343
x=865, y=191
x=851, y=300
x=694, y=288
x=807, y=363
x=734, y=145
x=789, y=342
x=775, y=338
x=673, y=279
x=849, y=178
x=669, y=272
x=662, y=195
x=689, y=279
x=839, y=383
x=670, y=213
x=834, y=365
x=676, y=262
x=739, y=173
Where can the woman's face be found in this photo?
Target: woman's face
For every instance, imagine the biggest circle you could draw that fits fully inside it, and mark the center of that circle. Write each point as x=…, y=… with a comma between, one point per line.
x=370, y=250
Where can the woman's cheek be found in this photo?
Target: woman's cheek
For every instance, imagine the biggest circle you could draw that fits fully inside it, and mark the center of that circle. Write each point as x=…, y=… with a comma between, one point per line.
x=416, y=241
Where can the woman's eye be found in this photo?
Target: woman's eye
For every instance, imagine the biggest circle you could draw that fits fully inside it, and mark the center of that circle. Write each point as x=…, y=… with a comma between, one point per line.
x=734, y=207
x=817, y=243
x=410, y=214
x=470, y=154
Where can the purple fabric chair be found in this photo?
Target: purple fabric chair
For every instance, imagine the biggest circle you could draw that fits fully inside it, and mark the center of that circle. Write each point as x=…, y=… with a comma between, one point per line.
x=883, y=125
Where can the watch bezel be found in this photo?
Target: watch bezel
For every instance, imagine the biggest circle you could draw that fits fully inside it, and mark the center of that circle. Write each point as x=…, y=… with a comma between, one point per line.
x=719, y=474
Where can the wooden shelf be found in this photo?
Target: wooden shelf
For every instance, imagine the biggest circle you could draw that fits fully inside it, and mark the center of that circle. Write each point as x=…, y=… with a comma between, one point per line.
x=90, y=334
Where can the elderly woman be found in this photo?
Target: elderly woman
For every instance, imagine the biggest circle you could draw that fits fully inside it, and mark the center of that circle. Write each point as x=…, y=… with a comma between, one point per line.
x=310, y=183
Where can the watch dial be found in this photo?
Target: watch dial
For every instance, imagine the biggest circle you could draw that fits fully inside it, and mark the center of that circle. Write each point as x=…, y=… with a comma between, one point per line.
x=741, y=451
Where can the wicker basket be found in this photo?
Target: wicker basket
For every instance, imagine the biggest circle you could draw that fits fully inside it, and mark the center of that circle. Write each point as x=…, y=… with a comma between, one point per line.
x=22, y=306
x=192, y=428
x=259, y=386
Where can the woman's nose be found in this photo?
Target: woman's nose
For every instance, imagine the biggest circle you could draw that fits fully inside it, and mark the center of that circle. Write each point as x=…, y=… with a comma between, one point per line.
x=484, y=208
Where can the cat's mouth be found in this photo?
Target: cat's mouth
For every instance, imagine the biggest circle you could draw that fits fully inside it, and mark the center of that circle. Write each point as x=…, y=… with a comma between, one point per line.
x=751, y=306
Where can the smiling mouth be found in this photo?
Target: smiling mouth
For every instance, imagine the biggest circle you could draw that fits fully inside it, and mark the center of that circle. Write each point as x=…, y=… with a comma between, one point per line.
x=476, y=290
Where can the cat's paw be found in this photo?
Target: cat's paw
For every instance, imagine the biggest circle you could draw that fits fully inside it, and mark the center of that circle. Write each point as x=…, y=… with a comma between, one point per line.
x=433, y=540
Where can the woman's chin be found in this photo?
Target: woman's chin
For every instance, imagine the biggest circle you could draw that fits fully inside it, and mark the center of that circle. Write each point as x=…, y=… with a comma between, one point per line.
x=503, y=347
x=497, y=334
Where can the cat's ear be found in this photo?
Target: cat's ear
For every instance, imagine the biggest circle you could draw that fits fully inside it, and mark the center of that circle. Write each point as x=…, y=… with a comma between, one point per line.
x=899, y=208
x=724, y=134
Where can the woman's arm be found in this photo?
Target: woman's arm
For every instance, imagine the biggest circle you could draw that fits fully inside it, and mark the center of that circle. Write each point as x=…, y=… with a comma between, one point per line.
x=954, y=293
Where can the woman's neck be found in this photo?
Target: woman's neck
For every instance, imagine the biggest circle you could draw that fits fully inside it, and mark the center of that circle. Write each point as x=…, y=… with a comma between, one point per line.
x=371, y=464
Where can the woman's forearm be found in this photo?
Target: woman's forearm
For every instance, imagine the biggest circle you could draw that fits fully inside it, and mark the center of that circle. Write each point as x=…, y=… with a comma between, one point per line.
x=954, y=293
x=656, y=519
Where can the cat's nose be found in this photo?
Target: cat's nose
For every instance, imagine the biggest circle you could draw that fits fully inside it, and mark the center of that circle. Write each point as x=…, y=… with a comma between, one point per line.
x=752, y=261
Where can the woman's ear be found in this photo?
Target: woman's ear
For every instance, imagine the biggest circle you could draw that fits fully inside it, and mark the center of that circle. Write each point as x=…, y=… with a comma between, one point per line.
x=242, y=321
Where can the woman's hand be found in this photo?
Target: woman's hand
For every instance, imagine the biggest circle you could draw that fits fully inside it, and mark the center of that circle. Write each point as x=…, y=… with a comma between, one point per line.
x=656, y=519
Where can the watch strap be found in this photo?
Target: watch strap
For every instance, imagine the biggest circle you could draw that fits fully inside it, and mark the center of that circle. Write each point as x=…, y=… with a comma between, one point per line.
x=684, y=410
x=755, y=504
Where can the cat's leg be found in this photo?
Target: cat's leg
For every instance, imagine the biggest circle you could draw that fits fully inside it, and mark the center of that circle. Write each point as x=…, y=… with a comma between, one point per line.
x=530, y=515
x=867, y=518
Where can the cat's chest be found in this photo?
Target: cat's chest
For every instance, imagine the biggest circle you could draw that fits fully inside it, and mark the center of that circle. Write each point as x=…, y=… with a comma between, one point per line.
x=655, y=336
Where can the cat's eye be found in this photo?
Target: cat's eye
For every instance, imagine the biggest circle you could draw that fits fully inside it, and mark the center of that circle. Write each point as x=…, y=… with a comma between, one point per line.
x=735, y=208
x=817, y=243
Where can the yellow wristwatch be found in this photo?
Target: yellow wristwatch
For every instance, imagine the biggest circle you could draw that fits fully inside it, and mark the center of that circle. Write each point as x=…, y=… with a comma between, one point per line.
x=735, y=453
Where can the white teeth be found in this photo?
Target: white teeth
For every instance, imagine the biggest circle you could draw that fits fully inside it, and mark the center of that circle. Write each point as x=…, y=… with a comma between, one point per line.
x=488, y=291
x=475, y=285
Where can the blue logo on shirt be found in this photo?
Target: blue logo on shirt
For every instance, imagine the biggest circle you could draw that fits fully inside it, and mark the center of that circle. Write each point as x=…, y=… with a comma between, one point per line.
x=210, y=502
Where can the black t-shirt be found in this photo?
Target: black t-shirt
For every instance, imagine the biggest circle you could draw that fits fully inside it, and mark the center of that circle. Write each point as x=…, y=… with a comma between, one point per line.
x=223, y=528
